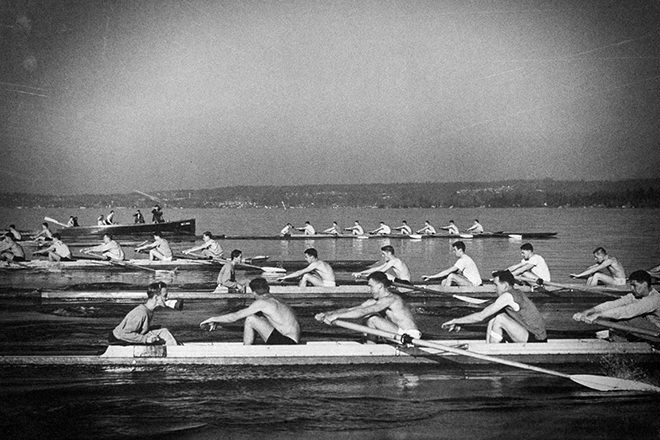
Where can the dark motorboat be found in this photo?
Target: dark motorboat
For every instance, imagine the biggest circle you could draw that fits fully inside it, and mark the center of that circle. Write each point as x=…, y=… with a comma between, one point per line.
x=179, y=227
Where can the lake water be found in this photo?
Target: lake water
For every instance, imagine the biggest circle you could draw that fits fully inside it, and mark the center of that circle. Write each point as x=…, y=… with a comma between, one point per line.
x=375, y=402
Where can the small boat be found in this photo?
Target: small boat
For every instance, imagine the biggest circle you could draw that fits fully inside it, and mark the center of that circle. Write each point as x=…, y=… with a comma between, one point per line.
x=179, y=227
x=559, y=351
x=500, y=234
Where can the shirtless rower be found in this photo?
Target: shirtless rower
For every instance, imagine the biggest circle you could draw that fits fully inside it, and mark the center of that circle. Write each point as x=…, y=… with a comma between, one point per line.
x=57, y=251
x=317, y=273
x=404, y=228
x=382, y=229
x=476, y=227
x=451, y=228
x=100, y=221
x=10, y=251
x=308, y=229
x=286, y=230
x=273, y=320
x=464, y=272
x=45, y=234
x=356, y=229
x=397, y=318
x=334, y=229
x=136, y=327
x=110, y=219
x=393, y=263
x=227, y=275
x=513, y=315
x=531, y=266
x=428, y=229
x=110, y=249
x=159, y=250
x=210, y=248
x=616, y=276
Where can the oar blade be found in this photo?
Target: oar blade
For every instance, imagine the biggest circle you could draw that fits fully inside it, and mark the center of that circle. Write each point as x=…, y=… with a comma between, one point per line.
x=270, y=269
x=605, y=383
x=469, y=299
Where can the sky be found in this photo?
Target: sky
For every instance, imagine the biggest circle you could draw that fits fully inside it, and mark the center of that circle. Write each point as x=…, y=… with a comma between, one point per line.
x=114, y=96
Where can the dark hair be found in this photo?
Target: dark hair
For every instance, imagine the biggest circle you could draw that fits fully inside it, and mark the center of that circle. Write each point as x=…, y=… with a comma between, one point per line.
x=476, y=220
x=600, y=250
x=158, y=234
x=641, y=276
x=380, y=277
x=108, y=234
x=451, y=221
x=155, y=288
x=527, y=247
x=44, y=224
x=236, y=253
x=57, y=235
x=388, y=248
x=311, y=252
x=505, y=276
x=259, y=285
x=459, y=245
x=208, y=234
x=12, y=226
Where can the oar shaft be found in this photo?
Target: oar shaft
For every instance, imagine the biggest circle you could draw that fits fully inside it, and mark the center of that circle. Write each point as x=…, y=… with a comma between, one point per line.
x=626, y=328
x=586, y=289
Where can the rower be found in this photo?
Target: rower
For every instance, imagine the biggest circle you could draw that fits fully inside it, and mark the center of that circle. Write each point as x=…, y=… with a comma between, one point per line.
x=286, y=230
x=110, y=249
x=58, y=251
x=227, y=275
x=159, y=250
x=308, y=229
x=384, y=311
x=45, y=234
x=616, y=276
x=157, y=214
x=100, y=221
x=14, y=232
x=476, y=227
x=11, y=251
x=317, y=273
x=639, y=309
x=428, y=229
x=210, y=248
x=356, y=229
x=110, y=219
x=401, y=274
x=451, y=228
x=513, y=314
x=272, y=319
x=382, y=229
x=464, y=272
x=531, y=266
x=72, y=222
x=334, y=229
x=404, y=228
x=136, y=327
x=138, y=218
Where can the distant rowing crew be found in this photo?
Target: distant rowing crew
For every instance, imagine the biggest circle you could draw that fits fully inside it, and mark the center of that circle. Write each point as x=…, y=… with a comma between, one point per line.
x=382, y=229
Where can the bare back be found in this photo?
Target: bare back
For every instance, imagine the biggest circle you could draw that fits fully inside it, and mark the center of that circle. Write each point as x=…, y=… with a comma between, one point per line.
x=279, y=315
x=323, y=270
x=615, y=268
x=397, y=311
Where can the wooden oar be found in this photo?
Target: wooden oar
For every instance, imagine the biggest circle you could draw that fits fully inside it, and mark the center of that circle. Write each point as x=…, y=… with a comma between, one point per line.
x=266, y=269
x=626, y=328
x=600, y=383
x=158, y=272
x=587, y=289
x=467, y=299
x=52, y=220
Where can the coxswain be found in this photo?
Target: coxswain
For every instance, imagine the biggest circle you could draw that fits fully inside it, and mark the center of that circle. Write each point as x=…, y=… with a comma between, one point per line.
x=227, y=275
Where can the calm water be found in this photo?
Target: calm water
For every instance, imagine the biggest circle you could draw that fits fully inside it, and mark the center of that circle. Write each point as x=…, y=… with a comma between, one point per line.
x=329, y=402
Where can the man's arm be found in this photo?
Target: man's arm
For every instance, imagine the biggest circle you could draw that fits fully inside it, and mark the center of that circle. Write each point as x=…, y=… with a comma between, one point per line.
x=592, y=269
x=366, y=308
x=228, y=318
x=382, y=268
x=442, y=274
x=310, y=268
x=520, y=268
x=501, y=302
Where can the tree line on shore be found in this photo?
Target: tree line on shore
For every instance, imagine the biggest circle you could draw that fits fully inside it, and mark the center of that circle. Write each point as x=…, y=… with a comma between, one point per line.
x=640, y=193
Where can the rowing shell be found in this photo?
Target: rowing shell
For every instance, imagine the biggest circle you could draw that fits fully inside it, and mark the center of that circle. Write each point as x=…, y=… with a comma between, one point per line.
x=521, y=235
x=559, y=351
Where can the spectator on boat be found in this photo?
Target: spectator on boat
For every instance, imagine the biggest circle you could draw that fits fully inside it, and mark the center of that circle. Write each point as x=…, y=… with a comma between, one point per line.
x=334, y=229
x=159, y=250
x=57, y=251
x=531, y=266
x=157, y=215
x=10, y=251
x=136, y=327
x=400, y=274
x=513, y=315
x=109, y=249
x=286, y=230
x=317, y=273
x=382, y=229
x=210, y=248
x=100, y=221
x=404, y=228
x=476, y=227
x=428, y=229
x=45, y=234
x=640, y=309
x=616, y=276
x=273, y=320
x=451, y=228
x=308, y=229
x=72, y=222
x=384, y=311
x=14, y=232
x=464, y=272
x=138, y=218
x=227, y=275
x=356, y=229
x=110, y=219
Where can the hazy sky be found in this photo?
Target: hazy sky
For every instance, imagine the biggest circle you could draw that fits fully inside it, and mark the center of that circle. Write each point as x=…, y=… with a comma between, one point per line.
x=119, y=95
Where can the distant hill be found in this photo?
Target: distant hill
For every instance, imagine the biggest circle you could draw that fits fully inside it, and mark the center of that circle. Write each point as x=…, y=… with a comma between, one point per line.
x=643, y=193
